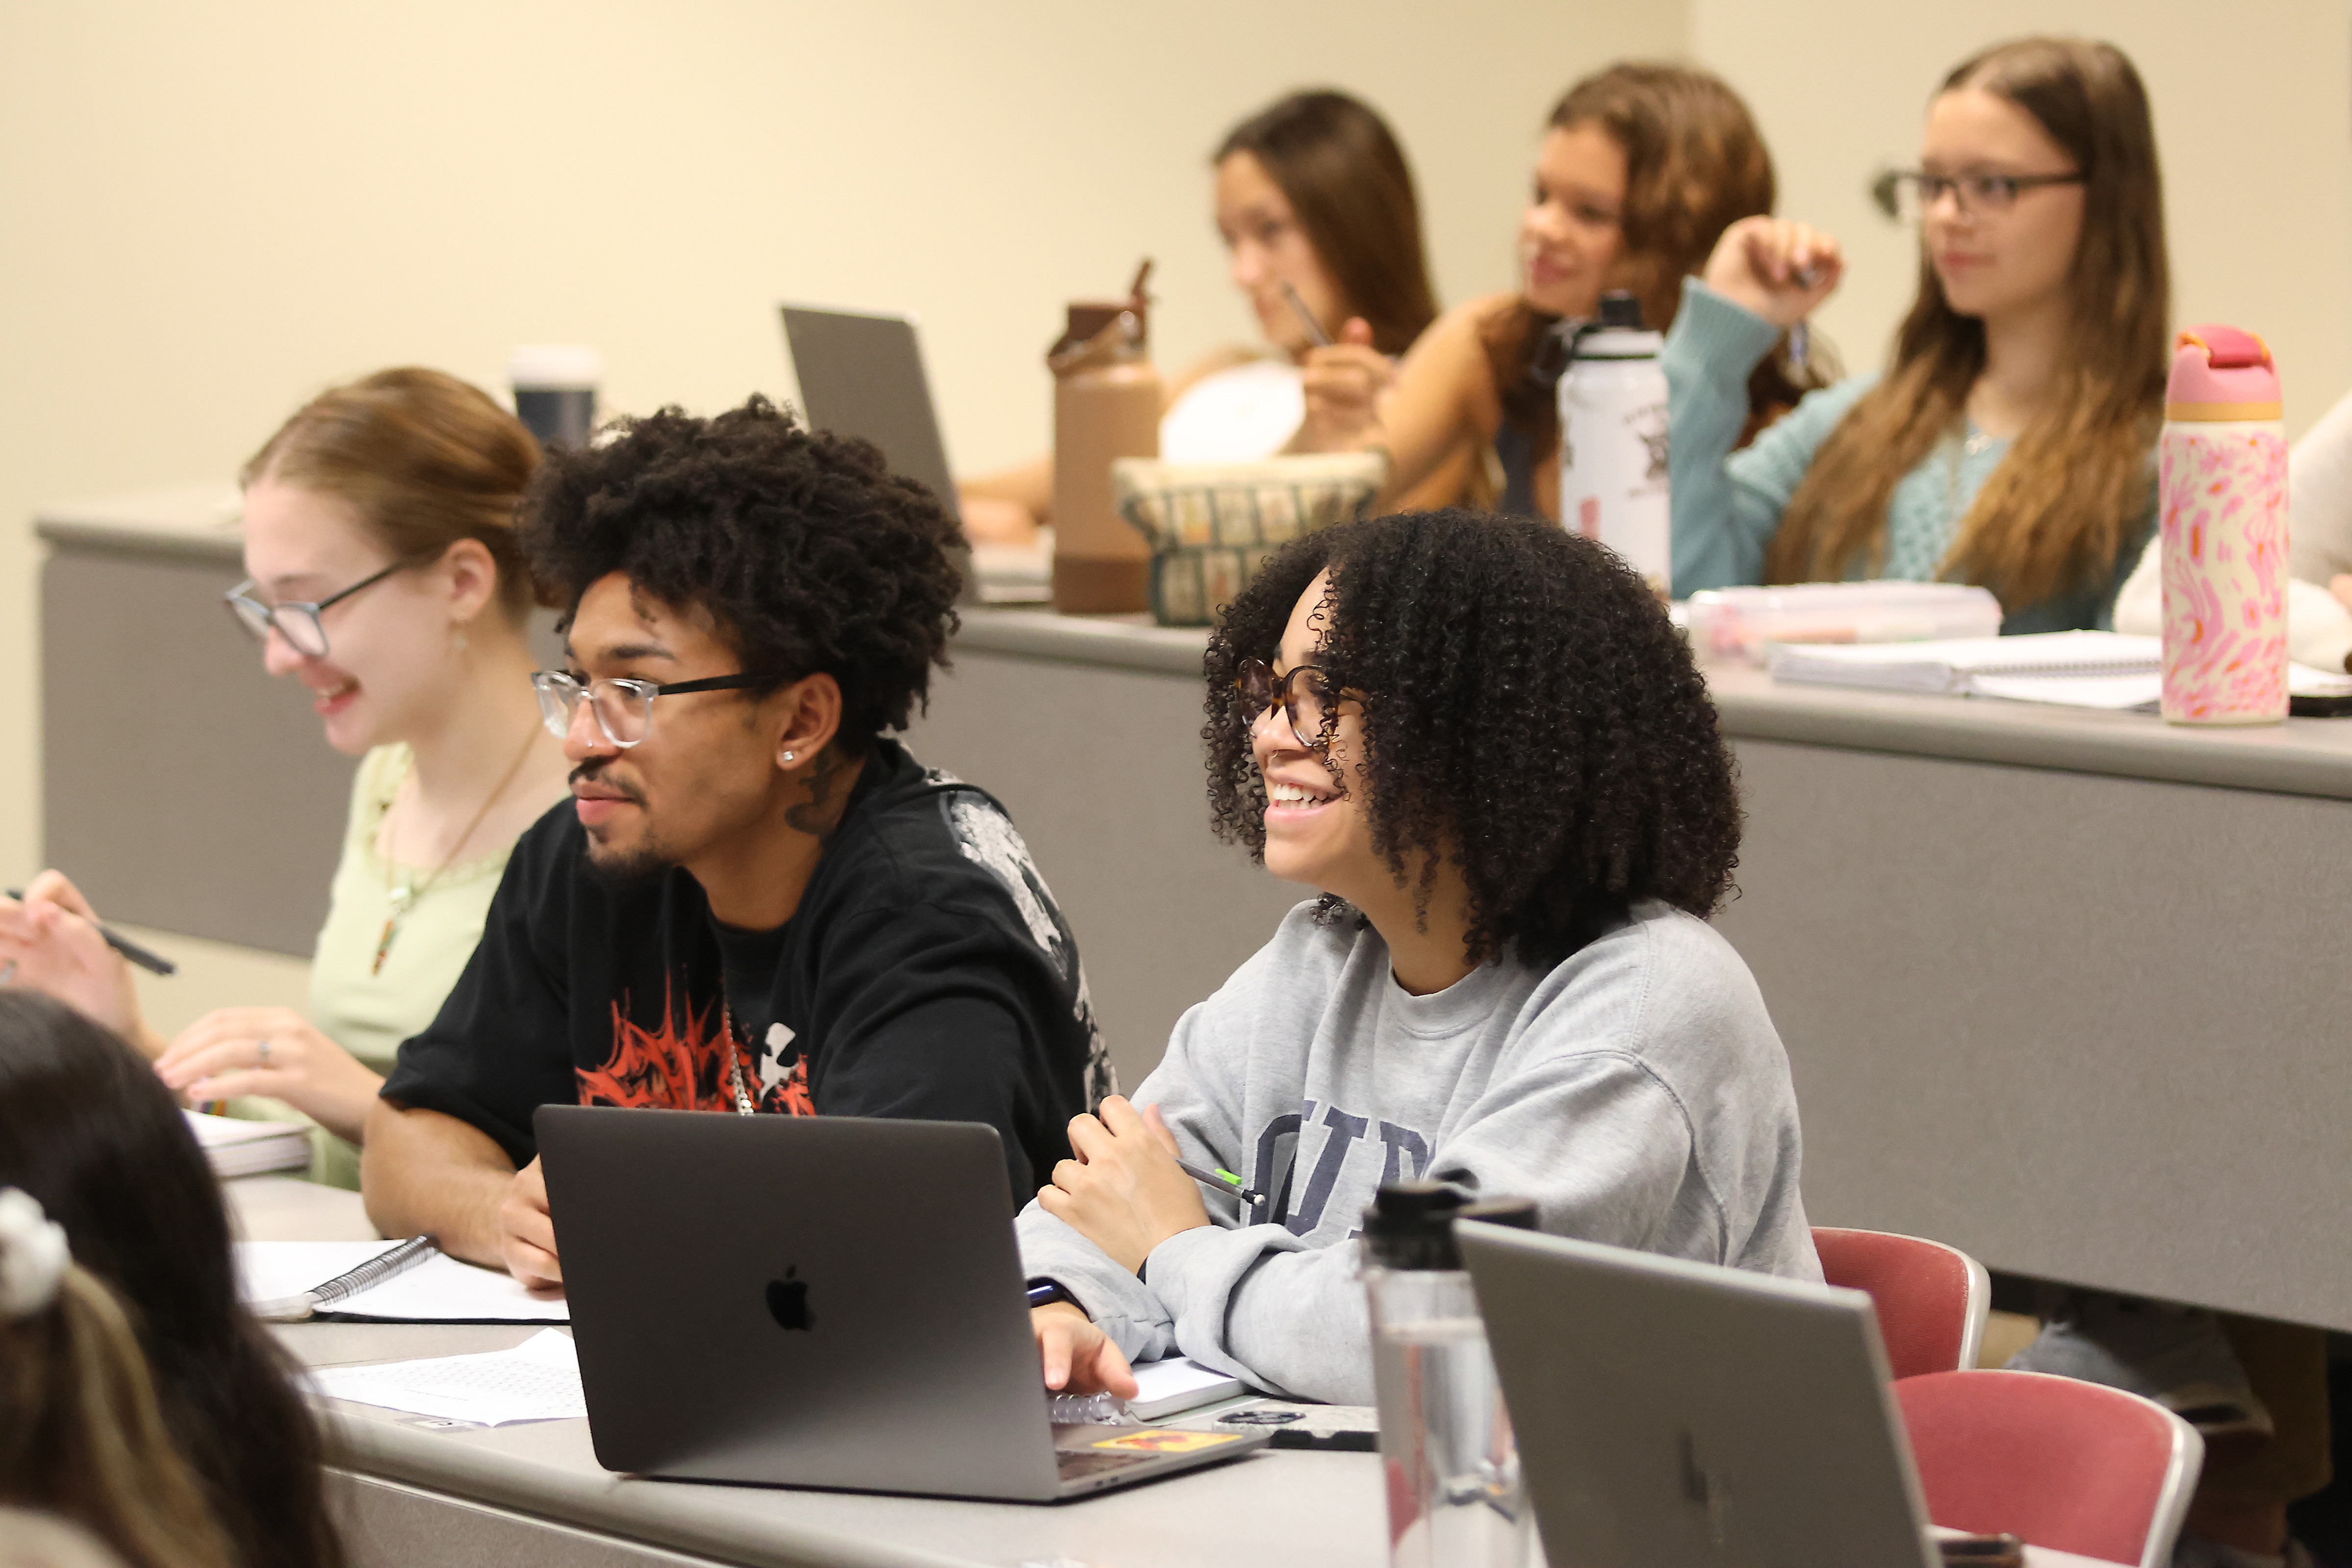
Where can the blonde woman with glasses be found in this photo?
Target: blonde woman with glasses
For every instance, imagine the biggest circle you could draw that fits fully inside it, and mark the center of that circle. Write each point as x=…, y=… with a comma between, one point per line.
x=379, y=530
x=2009, y=443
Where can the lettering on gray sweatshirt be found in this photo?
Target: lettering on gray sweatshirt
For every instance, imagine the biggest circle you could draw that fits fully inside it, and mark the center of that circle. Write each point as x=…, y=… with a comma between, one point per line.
x=1637, y=1092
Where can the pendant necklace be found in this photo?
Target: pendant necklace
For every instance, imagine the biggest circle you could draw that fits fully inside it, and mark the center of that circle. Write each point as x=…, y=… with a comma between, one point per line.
x=402, y=898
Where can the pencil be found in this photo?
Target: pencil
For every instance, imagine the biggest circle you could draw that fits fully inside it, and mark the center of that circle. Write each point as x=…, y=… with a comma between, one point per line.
x=153, y=964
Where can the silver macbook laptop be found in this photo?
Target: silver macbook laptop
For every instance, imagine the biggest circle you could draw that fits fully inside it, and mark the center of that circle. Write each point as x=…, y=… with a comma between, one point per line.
x=1672, y=1414
x=816, y=1301
x=862, y=375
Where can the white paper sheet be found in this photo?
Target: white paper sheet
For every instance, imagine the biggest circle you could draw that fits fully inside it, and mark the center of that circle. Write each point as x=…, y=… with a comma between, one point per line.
x=438, y=1291
x=441, y=1290
x=538, y=1380
x=1180, y=1382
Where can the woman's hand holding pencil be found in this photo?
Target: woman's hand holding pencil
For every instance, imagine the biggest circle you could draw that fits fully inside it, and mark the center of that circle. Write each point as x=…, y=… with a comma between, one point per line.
x=50, y=941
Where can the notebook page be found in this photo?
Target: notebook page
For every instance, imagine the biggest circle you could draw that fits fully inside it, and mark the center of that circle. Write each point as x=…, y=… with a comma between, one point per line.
x=538, y=1380
x=441, y=1290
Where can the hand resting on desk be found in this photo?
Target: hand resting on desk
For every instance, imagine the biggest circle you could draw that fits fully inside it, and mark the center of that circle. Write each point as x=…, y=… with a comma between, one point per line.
x=425, y=1173
x=273, y=1051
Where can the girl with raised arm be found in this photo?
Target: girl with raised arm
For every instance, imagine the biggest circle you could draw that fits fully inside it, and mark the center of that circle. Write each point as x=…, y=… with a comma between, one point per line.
x=2009, y=442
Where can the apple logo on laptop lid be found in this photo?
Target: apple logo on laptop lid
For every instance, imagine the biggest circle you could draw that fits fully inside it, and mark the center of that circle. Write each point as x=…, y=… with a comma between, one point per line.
x=788, y=1301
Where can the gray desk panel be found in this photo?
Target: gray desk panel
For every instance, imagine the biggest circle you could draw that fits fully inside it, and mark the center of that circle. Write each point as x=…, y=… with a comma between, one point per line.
x=1100, y=768
x=183, y=788
x=387, y=1525
x=2087, y=1028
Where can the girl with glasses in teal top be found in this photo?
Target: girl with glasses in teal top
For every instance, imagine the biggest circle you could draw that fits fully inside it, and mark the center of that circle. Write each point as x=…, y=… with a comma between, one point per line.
x=2010, y=441
x=385, y=580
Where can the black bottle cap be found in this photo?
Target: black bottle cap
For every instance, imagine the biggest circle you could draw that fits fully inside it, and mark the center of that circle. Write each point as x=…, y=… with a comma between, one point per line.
x=1620, y=309
x=1409, y=1224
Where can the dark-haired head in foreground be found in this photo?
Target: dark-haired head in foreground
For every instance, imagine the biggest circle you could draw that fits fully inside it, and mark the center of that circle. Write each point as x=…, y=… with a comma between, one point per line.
x=1530, y=717
x=90, y=1132
x=756, y=899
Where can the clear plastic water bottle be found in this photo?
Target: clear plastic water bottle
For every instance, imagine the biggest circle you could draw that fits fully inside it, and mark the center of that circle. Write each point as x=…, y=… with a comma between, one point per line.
x=1446, y=1450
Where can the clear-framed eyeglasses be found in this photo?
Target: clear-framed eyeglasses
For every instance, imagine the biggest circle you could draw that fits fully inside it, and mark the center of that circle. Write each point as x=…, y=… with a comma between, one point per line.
x=297, y=621
x=623, y=709
x=1304, y=692
x=1907, y=196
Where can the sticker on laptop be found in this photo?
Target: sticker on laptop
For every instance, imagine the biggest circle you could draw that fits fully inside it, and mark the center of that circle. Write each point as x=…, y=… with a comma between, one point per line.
x=1160, y=1441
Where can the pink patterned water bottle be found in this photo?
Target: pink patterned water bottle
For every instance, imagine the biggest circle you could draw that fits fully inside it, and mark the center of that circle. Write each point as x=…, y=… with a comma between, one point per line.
x=2221, y=482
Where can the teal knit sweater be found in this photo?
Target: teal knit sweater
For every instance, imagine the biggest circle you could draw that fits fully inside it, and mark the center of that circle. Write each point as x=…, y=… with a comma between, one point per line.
x=1727, y=505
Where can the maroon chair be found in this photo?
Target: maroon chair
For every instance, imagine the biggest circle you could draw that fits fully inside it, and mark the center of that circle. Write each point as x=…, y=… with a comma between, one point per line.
x=1931, y=1299
x=2071, y=1466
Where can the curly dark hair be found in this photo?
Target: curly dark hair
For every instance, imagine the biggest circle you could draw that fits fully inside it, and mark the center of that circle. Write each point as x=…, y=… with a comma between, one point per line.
x=1527, y=712
x=809, y=555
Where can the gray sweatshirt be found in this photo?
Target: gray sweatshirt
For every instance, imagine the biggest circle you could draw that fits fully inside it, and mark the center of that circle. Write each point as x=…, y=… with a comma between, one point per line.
x=1637, y=1092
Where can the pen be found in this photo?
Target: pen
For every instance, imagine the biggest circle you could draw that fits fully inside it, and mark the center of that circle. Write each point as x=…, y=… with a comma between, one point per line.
x=151, y=963
x=1321, y=338
x=1801, y=336
x=1223, y=1181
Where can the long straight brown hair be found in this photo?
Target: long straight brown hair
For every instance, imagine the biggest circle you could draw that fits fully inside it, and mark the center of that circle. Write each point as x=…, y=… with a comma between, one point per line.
x=1339, y=165
x=2052, y=516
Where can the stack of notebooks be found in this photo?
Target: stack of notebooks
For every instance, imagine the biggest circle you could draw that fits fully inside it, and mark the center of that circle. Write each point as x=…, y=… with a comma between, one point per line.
x=2074, y=670
x=238, y=1148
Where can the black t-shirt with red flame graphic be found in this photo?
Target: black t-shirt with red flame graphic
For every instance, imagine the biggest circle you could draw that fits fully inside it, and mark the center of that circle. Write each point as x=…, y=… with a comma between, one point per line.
x=927, y=974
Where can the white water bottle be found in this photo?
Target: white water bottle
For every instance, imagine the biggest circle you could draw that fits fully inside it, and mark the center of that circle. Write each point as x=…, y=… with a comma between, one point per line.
x=1612, y=441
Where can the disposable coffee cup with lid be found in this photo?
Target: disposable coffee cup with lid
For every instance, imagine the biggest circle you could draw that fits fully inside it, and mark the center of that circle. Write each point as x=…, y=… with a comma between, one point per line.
x=555, y=390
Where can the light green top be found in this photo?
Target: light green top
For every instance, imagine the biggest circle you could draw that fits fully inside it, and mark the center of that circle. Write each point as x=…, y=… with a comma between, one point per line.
x=366, y=1013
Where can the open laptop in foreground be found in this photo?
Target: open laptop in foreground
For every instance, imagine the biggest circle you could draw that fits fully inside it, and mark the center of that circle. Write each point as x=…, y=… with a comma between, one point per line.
x=1671, y=1414
x=816, y=1301
x=862, y=374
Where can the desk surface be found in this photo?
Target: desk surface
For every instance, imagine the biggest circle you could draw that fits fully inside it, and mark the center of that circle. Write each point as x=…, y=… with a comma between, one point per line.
x=2308, y=756
x=1270, y=1508
x=2303, y=756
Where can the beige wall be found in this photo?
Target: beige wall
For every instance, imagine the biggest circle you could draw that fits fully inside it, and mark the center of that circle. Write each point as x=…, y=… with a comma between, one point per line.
x=2253, y=121
x=211, y=211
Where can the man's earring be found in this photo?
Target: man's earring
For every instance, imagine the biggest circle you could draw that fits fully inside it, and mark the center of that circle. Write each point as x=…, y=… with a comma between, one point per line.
x=788, y=756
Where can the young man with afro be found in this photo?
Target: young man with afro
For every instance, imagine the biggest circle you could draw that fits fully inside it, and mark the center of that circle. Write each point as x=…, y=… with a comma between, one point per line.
x=1481, y=742
x=755, y=901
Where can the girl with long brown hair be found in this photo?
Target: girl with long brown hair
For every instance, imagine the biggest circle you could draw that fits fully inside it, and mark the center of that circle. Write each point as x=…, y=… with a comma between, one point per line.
x=2009, y=443
x=386, y=579
x=138, y=1397
x=1313, y=201
x=1642, y=167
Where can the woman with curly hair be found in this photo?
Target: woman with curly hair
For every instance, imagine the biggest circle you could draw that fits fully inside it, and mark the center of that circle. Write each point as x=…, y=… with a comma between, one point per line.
x=1642, y=167
x=1479, y=739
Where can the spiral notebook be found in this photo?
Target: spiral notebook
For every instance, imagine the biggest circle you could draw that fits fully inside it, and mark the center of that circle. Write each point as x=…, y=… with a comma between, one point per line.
x=2074, y=670
x=437, y=1289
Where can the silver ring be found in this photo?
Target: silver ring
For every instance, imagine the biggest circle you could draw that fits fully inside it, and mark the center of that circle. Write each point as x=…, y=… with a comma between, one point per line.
x=263, y=1045
x=9, y=973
